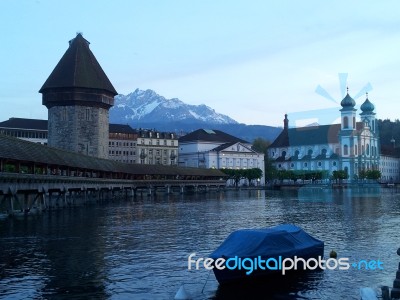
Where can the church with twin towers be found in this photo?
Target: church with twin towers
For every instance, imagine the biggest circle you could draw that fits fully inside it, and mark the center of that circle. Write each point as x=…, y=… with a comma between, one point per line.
x=350, y=145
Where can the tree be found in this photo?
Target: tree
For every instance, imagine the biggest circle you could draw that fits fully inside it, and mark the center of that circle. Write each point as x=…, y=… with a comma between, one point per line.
x=252, y=174
x=362, y=174
x=235, y=174
x=374, y=174
x=261, y=145
x=340, y=174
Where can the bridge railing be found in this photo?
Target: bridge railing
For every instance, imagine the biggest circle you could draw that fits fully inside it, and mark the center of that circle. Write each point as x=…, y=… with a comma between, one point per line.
x=17, y=181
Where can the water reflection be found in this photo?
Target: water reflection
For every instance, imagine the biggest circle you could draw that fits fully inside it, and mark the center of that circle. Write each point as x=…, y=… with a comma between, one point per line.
x=285, y=287
x=138, y=248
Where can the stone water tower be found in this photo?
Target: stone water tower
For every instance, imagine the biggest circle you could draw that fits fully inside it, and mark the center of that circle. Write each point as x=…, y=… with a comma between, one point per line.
x=78, y=96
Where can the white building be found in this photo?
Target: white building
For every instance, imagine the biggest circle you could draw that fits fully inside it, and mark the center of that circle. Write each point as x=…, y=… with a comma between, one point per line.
x=216, y=149
x=389, y=164
x=350, y=146
x=32, y=130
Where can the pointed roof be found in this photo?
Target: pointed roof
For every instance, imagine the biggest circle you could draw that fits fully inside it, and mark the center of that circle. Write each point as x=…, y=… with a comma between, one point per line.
x=78, y=68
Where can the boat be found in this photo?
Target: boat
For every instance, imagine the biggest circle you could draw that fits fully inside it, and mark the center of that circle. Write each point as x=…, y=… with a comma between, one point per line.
x=255, y=253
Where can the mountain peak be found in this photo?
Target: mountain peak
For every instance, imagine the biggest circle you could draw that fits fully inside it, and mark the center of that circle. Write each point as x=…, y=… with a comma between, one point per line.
x=147, y=106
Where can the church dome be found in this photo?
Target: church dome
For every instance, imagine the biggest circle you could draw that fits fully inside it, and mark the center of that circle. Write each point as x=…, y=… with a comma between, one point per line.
x=367, y=106
x=348, y=102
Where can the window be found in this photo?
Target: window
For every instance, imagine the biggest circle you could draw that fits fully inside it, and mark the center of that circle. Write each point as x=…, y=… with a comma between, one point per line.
x=354, y=122
x=305, y=165
x=345, y=150
x=283, y=153
x=345, y=122
x=319, y=164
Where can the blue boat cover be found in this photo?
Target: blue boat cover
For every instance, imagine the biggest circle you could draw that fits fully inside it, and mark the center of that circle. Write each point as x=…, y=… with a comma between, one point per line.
x=284, y=240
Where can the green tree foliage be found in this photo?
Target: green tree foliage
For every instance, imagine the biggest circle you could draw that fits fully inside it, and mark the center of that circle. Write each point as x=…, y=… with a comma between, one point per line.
x=271, y=172
x=340, y=175
x=388, y=130
x=239, y=174
x=370, y=174
x=252, y=174
x=301, y=174
x=261, y=145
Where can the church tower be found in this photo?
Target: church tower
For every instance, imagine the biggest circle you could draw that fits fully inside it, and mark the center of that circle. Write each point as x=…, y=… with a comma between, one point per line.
x=370, y=145
x=347, y=136
x=368, y=115
x=78, y=96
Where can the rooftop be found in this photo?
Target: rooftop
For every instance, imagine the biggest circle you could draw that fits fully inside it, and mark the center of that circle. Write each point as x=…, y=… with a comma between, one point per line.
x=207, y=135
x=78, y=67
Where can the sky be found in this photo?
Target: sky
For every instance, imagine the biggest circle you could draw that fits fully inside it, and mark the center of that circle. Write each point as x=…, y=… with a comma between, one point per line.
x=251, y=60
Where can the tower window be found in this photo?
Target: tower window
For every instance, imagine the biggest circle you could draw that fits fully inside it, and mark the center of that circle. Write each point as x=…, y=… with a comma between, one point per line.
x=345, y=150
x=345, y=122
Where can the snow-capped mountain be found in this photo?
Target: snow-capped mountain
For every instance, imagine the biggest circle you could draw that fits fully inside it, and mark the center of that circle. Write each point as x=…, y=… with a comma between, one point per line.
x=149, y=107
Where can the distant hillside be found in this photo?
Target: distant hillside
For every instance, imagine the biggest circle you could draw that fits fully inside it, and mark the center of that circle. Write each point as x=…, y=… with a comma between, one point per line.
x=389, y=130
x=243, y=131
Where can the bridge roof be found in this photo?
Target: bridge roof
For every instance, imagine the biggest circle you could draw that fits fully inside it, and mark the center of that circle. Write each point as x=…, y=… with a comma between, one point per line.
x=19, y=150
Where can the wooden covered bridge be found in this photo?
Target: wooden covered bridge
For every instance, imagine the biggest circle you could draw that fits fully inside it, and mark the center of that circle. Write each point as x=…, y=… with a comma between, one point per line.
x=38, y=176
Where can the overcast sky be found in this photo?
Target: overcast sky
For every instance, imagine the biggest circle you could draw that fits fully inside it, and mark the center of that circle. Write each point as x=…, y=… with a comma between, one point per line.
x=252, y=60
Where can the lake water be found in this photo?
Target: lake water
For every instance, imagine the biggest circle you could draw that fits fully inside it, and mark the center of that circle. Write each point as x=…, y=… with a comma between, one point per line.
x=138, y=248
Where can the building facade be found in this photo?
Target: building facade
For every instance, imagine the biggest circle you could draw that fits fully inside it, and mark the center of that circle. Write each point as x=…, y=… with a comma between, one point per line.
x=32, y=130
x=389, y=163
x=122, y=143
x=78, y=96
x=155, y=148
x=216, y=149
x=126, y=144
x=350, y=146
